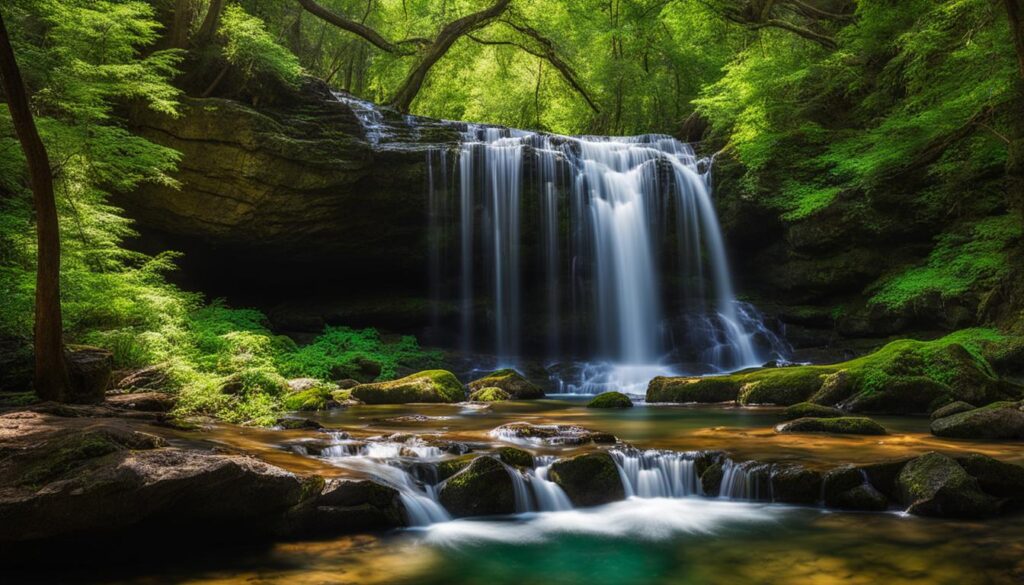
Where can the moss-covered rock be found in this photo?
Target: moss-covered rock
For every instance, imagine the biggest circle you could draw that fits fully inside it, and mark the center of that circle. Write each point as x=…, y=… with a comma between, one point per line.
x=590, y=479
x=310, y=399
x=846, y=425
x=995, y=477
x=848, y=488
x=489, y=394
x=610, y=400
x=428, y=386
x=711, y=479
x=683, y=390
x=450, y=467
x=516, y=457
x=809, y=409
x=905, y=376
x=935, y=485
x=292, y=423
x=511, y=381
x=950, y=409
x=484, y=488
x=795, y=484
x=999, y=420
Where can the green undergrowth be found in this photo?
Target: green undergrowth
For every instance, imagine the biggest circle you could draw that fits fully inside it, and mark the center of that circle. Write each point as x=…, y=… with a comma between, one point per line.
x=904, y=376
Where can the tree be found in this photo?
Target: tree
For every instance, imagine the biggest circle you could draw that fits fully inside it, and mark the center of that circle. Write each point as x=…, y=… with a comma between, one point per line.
x=801, y=18
x=1015, y=157
x=51, y=375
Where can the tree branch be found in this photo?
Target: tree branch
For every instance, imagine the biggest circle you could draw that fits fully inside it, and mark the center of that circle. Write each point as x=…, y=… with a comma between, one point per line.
x=552, y=57
x=358, y=28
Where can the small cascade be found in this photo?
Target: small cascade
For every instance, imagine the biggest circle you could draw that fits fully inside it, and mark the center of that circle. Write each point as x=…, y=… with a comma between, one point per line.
x=749, y=480
x=548, y=495
x=657, y=474
x=523, y=498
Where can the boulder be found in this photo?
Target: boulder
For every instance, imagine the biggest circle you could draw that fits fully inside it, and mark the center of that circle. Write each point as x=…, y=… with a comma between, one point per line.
x=293, y=423
x=484, y=488
x=848, y=488
x=683, y=390
x=489, y=394
x=711, y=479
x=516, y=457
x=795, y=484
x=1003, y=480
x=347, y=505
x=526, y=433
x=812, y=410
x=590, y=479
x=835, y=388
x=610, y=400
x=1000, y=420
x=847, y=425
x=427, y=386
x=511, y=381
x=143, y=401
x=449, y=467
x=950, y=409
x=89, y=370
x=935, y=485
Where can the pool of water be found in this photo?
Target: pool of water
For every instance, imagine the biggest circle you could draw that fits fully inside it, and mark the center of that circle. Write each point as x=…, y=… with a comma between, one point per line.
x=689, y=540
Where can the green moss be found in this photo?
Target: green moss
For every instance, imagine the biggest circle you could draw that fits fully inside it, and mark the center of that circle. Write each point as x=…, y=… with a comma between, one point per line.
x=610, y=400
x=517, y=457
x=314, y=398
x=511, y=381
x=489, y=394
x=450, y=467
x=428, y=386
x=8, y=399
x=905, y=376
x=809, y=409
x=846, y=425
x=590, y=479
x=483, y=488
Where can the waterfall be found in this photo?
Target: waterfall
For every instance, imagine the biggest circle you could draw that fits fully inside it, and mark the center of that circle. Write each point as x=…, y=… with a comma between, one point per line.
x=749, y=480
x=549, y=496
x=565, y=248
x=657, y=474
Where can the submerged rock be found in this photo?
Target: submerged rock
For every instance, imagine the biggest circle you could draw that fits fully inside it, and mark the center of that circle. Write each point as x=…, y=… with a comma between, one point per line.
x=484, y=488
x=1000, y=420
x=489, y=394
x=935, y=485
x=711, y=479
x=590, y=479
x=610, y=400
x=511, y=381
x=812, y=410
x=847, y=425
x=428, y=386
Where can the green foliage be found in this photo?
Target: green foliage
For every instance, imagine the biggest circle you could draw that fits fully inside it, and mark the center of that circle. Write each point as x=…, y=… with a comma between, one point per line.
x=251, y=50
x=341, y=353
x=974, y=259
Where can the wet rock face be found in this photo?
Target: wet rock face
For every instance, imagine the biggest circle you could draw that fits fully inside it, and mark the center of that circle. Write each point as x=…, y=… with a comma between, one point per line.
x=795, y=484
x=1000, y=420
x=848, y=488
x=484, y=488
x=589, y=480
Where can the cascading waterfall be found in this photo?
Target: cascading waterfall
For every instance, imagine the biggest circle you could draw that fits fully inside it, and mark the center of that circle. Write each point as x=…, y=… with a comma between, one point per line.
x=657, y=474
x=549, y=496
x=564, y=248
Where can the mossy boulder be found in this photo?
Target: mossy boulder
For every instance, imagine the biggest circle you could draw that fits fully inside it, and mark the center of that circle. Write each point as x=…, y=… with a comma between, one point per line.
x=1000, y=420
x=511, y=381
x=310, y=399
x=590, y=479
x=293, y=423
x=809, y=409
x=484, y=488
x=995, y=477
x=848, y=488
x=515, y=457
x=711, y=479
x=936, y=485
x=846, y=425
x=450, y=467
x=795, y=484
x=693, y=389
x=489, y=394
x=903, y=377
x=950, y=409
x=610, y=400
x=428, y=386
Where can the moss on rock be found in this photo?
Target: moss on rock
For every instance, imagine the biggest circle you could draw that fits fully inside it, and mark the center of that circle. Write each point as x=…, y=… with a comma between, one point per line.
x=995, y=477
x=610, y=400
x=427, y=386
x=950, y=409
x=935, y=485
x=705, y=390
x=484, y=488
x=489, y=394
x=450, y=467
x=999, y=420
x=516, y=457
x=711, y=479
x=795, y=484
x=590, y=479
x=848, y=488
x=310, y=399
x=511, y=381
x=809, y=409
x=847, y=425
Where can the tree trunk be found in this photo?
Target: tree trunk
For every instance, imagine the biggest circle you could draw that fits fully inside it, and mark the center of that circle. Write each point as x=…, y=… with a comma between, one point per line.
x=210, y=23
x=1015, y=155
x=184, y=12
x=51, y=375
